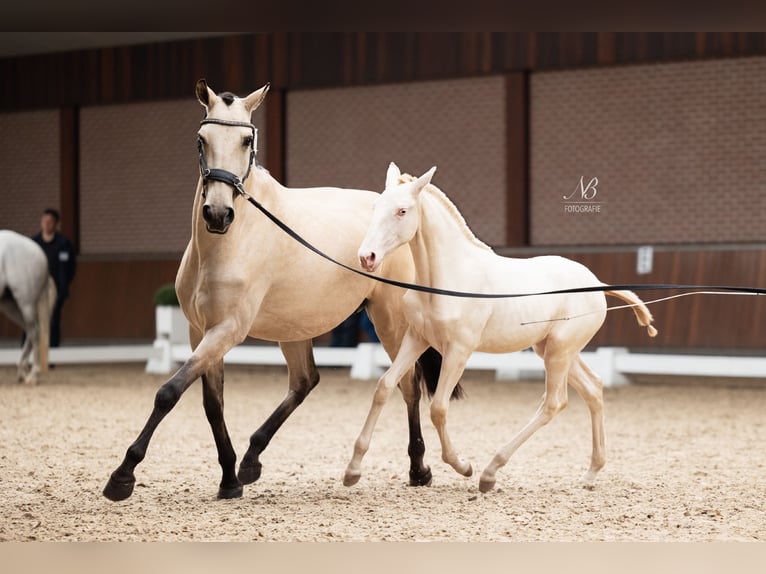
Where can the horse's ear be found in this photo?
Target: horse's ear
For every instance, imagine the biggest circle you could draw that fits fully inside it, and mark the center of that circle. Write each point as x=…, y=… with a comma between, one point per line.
x=204, y=93
x=254, y=100
x=424, y=180
x=392, y=175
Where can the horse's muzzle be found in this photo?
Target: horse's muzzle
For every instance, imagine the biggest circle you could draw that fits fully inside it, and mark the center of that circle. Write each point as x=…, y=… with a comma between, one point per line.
x=217, y=219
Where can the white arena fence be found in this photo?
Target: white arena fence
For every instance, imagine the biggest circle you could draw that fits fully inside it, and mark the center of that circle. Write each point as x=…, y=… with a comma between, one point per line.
x=368, y=360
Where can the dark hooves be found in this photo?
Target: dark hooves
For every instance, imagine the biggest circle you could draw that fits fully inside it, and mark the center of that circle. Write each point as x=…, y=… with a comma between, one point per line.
x=422, y=478
x=225, y=493
x=116, y=490
x=249, y=474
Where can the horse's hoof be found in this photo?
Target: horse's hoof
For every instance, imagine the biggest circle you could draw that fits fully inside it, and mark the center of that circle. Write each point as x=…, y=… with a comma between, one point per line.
x=486, y=484
x=350, y=478
x=231, y=492
x=249, y=474
x=421, y=479
x=118, y=490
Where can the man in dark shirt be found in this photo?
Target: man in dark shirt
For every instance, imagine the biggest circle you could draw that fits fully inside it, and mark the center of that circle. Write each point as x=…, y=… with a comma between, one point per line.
x=62, y=263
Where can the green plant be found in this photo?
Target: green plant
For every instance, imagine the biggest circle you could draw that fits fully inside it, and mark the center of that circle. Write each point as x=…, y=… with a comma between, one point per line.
x=166, y=295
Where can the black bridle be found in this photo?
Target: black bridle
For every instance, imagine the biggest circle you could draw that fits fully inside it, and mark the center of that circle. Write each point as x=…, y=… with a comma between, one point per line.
x=223, y=175
x=234, y=181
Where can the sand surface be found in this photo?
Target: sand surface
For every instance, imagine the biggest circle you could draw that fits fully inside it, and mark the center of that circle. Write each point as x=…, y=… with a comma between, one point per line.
x=684, y=463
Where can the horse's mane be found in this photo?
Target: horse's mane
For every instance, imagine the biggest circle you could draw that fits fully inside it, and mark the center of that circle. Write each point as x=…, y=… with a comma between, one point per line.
x=451, y=208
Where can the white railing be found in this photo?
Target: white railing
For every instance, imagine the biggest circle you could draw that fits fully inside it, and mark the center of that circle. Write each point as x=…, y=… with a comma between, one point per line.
x=368, y=360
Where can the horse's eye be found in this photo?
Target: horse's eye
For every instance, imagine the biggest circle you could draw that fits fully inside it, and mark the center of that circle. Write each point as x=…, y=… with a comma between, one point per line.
x=248, y=141
x=401, y=212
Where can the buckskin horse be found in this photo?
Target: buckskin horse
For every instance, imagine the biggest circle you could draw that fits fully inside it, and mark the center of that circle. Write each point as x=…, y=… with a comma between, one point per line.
x=241, y=276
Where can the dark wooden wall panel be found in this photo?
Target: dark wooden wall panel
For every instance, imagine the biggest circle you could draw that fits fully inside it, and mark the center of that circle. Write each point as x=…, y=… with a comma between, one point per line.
x=714, y=322
x=109, y=300
x=291, y=60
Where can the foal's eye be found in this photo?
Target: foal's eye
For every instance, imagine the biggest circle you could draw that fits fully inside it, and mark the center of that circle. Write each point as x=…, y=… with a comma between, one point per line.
x=401, y=212
x=248, y=141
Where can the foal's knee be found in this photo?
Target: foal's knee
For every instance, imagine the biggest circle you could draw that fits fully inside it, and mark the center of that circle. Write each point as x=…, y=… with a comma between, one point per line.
x=553, y=407
x=438, y=414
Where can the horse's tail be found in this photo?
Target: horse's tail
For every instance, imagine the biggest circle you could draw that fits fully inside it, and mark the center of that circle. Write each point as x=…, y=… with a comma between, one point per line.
x=642, y=312
x=427, y=373
x=45, y=302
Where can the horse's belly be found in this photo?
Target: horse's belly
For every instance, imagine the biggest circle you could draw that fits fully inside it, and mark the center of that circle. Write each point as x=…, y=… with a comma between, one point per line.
x=297, y=315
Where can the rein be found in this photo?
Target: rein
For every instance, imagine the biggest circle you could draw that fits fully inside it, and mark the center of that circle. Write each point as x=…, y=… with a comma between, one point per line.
x=710, y=289
x=234, y=181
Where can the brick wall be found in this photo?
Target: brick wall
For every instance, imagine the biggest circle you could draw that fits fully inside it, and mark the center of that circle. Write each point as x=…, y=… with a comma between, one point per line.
x=347, y=137
x=30, y=167
x=678, y=150
x=139, y=170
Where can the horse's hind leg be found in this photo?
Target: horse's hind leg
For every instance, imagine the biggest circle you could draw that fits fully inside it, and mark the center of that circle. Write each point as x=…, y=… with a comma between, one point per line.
x=420, y=473
x=212, y=399
x=557, y=366
x=25, y=320
x=589, y=386
x=29, y=362
x=303, y=376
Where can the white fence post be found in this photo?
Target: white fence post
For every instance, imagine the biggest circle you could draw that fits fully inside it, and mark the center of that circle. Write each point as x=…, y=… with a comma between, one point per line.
x=171, y=328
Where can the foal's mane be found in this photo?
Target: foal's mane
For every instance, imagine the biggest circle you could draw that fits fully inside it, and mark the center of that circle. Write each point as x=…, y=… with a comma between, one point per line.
x=451, y=208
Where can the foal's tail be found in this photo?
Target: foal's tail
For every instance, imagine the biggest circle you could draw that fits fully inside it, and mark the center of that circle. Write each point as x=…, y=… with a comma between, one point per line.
x=427, y=373
x=642, y=312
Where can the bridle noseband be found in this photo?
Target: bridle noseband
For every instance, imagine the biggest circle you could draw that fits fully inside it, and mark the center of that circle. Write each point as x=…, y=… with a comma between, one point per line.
x=222, y=175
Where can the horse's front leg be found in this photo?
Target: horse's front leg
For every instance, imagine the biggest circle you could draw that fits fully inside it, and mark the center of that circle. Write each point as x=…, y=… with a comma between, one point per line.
x=122, y=480
x=412, y=347
x=212, y=399
x=302, y=376
x=209, y=352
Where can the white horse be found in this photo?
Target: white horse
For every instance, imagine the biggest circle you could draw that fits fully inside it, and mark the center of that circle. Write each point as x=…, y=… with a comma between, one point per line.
x=241, y=275
x=448, y=256
x=27, y=296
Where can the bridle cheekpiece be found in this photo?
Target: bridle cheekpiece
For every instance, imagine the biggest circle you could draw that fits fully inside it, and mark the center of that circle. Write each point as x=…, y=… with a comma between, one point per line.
x=223, y=175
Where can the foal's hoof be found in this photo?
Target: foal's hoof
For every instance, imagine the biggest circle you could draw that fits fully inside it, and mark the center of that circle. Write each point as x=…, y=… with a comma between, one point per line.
x=487, y=484
x=351, y=477
x=422, y=478
x=248, y=474
x=116, y=490
x=225, y=493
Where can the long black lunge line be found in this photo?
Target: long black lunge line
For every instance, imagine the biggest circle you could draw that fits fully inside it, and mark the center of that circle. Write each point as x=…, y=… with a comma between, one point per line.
x=638, y=287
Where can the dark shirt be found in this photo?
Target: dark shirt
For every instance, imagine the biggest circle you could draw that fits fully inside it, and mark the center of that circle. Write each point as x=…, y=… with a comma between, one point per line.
x=62, y=261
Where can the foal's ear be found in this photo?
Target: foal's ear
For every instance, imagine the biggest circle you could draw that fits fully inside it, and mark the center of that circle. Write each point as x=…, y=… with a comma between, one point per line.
x=424, y=180
x=392, y=175
x=254, y=100
x=204, y=94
